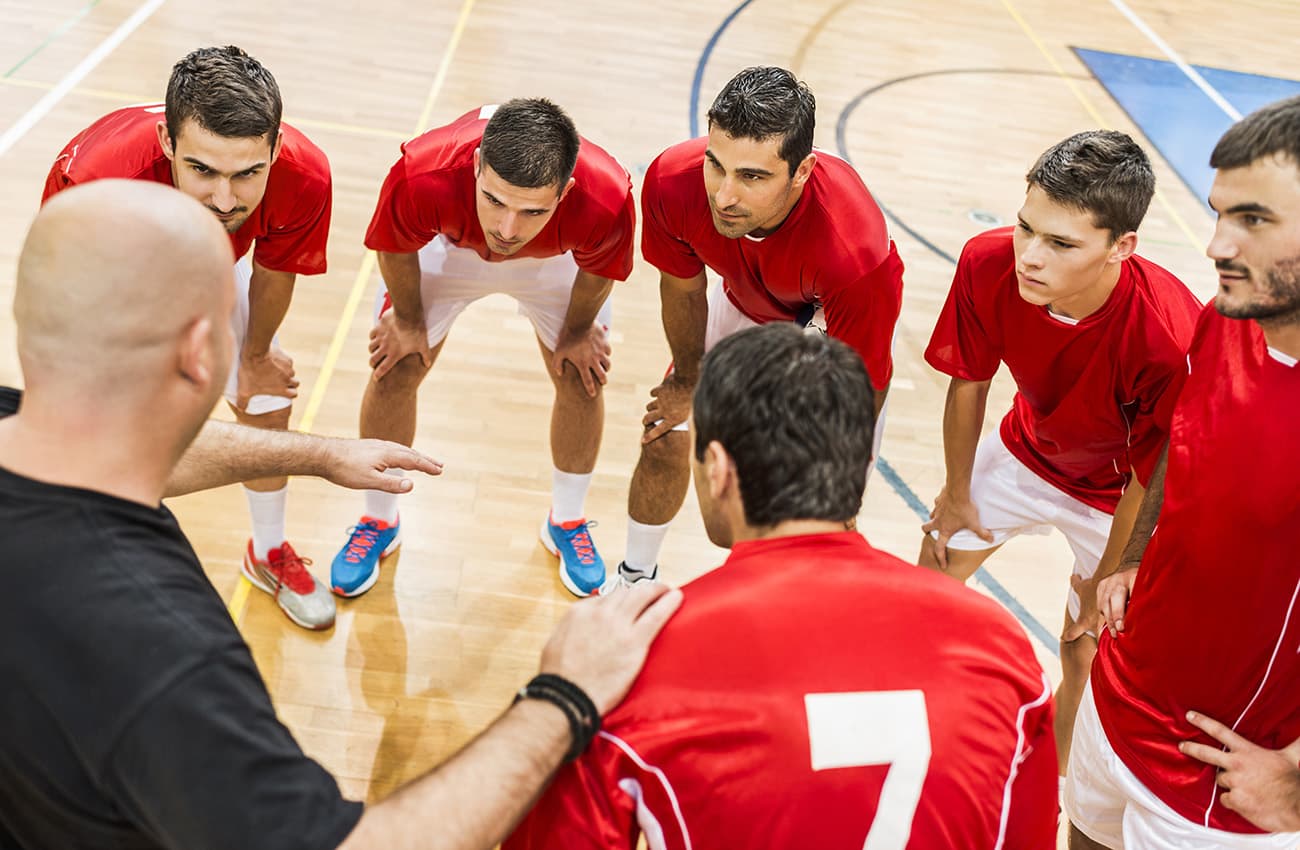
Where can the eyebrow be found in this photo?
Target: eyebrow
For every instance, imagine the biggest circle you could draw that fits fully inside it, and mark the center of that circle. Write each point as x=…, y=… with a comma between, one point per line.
x=744, y=169
x=1057, y=236
x=1251, y=207
x=493, y=197
x=196, y=161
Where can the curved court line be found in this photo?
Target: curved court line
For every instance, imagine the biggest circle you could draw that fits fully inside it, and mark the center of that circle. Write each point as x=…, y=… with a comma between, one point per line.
x=909, y=497
x=805, y=43
x=239, y=599
x=76, y=75
x=52, y=37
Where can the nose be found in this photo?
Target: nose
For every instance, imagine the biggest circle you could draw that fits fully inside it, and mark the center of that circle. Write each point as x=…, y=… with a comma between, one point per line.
x=223, y=196
x=509, y=226
x=1031, y=256
x=1222, y=246
x=726, y=195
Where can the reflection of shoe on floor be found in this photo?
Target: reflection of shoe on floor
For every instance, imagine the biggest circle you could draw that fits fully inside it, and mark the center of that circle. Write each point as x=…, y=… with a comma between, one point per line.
x=284, y=575
x=355, y=568
x=625, y=576
x=581, y=567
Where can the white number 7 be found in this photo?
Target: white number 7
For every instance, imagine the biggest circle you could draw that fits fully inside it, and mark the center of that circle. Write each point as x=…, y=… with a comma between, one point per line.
x=876, y=727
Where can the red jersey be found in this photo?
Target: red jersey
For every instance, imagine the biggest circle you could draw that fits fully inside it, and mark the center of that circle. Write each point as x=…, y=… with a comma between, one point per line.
x=291, y=224
x=833, y=249
x=1093, y=398
x=793, y=702
x=1213, y=624
x=431, y=190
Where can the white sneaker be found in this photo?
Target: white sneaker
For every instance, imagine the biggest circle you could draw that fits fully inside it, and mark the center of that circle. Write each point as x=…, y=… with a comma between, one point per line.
x=625, y=576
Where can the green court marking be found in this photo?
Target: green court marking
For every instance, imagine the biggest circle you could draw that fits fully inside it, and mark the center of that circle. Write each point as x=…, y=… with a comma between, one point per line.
x=52, y=37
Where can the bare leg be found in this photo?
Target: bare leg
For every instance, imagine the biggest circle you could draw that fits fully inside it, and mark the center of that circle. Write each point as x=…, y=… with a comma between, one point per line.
x=660, y=479
x=577, y=419
x=276, y=420
x=388, y=406
x=1079, y=841
x=1076, y=662
x=962, y=563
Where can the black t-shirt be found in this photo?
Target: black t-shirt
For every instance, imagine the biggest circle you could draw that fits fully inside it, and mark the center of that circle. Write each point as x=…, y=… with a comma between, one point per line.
x=131, y=712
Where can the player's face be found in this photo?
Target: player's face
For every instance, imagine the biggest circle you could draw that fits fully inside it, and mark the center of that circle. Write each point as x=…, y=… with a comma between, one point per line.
x=749, y=185
x=227, y=174
x=1062, y=257
x=512, y=215
x=1256, y=244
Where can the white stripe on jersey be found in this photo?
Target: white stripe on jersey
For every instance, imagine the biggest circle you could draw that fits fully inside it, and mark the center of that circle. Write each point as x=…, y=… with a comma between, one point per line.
x=663, y=780
x=1286, y=622
x=650, y=826
x=1018, y=758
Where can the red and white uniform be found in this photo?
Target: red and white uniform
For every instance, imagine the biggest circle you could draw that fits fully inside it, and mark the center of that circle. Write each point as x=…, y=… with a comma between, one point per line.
x=793, y=702
x=1094, y=397
x=833, y=249
x=430, y=191
x=1214, y=620
x=290, y=225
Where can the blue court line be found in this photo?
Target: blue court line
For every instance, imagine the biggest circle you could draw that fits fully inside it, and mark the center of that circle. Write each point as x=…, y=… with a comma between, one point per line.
x=1031, y=624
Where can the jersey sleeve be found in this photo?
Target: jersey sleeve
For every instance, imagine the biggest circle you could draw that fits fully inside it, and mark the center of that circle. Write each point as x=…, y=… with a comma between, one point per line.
x=662, y=241
x=297, y=240
x=610, y=247
x=962, y=344
x=601, y=802
x=206, y=764
x=406, y=216
x=864, y=314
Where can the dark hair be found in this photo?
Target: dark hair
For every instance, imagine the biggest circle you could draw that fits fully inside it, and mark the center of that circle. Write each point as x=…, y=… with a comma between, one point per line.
x=531, y=143
x=794, y=410
x=226, y=92
x=1270, y=130
x=1102, y=172
x=766, y=102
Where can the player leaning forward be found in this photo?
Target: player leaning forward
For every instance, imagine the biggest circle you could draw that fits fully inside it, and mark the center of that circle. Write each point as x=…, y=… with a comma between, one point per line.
x=1095, y=338
x=219, y=139
x=505, y=199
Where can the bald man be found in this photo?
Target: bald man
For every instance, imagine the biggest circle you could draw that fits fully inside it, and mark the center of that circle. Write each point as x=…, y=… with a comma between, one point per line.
x=133, y=714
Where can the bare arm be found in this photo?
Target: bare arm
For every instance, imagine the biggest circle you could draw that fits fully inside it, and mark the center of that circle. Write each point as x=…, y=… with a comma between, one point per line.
x=963, y=418
x=401, y=330
x=473, y=800
x=1113, y=591
x=581, y=341
x=685, y=307
x=261, y=370
x=226, y=453
x=1121, y=528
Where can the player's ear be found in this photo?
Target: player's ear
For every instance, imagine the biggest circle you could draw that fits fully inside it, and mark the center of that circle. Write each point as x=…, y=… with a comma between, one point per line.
x=804, y=170
x=478, y=159
x=719, y=469
x=573, y=181
x=165, y=140
x=1123, y=247
x=194, y=352
x=279, y=142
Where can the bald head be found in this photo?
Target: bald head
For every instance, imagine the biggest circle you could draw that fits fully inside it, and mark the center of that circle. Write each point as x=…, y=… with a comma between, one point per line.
x=111, y=275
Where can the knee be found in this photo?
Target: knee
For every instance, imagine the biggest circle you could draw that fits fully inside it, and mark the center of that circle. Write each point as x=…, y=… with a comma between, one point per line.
x=404, y=377
x=669, y=451
x=570, y=387
x=1077, y=655
x=276, y=420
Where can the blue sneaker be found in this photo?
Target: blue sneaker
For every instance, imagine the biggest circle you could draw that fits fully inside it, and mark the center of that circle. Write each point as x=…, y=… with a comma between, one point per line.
x=356, y=567
x=581, y=567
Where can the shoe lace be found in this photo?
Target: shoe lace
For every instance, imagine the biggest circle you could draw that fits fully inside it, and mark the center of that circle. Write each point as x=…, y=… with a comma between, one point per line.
x=290, y=570
x=580, y=539
x=361, y=539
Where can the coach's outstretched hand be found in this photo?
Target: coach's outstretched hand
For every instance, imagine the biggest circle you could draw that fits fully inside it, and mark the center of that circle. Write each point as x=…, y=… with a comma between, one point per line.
x=361, y=464
x=602, y=642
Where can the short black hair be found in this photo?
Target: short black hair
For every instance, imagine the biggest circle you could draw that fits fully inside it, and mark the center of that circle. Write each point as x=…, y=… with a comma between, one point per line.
x=1102, y=172
x=795, y=411
x=531, y=143
x=226, y=92
x=767, y=102
x=1269, y=130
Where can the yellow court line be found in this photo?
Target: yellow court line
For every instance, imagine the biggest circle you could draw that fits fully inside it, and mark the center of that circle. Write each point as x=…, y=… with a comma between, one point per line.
x=239, y=600
x=1192, y=239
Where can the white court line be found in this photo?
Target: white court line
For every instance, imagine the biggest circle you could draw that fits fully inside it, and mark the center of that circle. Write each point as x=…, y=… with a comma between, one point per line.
x=45, y=104
x=1192, y=74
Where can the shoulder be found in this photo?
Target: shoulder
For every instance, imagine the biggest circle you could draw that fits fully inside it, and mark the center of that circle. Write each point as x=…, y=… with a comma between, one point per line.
x=123, y=143
x=989, y=251
x=677, y=165
x=601, y=181
x=1165, y=306
x=302, y=161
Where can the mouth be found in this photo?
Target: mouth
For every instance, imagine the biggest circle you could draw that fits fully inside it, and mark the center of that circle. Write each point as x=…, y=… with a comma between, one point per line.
x=729, y=216
x=1025, y=280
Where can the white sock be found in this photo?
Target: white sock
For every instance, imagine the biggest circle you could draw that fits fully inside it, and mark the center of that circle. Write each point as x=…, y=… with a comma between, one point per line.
x=643, y=542
x=267, y=512
x=568, y=495
x=382, y=505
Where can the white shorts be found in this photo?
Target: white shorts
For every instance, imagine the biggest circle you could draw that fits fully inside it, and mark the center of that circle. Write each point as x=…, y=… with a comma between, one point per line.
x=1013, y=500
x=452, y=278
x=258, y=404
x=725, y=319
x=1107, y=803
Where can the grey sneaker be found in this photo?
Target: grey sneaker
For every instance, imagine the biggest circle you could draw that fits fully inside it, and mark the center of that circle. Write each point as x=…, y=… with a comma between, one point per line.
x=284, y=575
x=625, y=576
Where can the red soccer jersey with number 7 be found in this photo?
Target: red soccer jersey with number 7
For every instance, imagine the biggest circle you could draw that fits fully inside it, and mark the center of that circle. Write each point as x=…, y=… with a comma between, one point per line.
x=815, y=692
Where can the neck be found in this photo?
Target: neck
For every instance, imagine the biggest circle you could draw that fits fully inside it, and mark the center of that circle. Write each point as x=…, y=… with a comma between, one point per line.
x=90, y=448
x=790, y=528
x=778, y=220
x=1282, y=334
x=1085, y=303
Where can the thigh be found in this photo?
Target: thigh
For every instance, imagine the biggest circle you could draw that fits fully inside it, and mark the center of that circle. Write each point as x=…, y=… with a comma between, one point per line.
x=1092, y=798
x=1010, y=499
x=258, y=405
x=1087, y=530
x=544, y=289
x=725, y=318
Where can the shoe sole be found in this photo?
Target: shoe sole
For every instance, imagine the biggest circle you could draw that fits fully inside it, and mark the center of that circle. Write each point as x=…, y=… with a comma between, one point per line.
x=569, y=585
x=250, y=573
x=374, y=576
